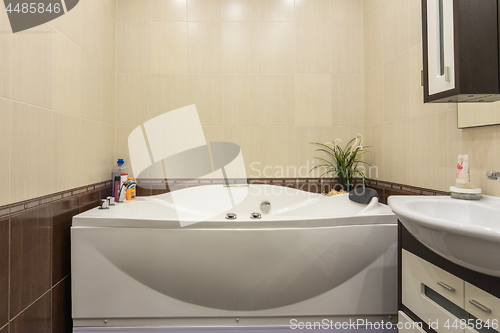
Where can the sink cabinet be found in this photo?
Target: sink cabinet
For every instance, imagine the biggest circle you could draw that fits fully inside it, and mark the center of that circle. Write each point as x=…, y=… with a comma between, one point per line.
x=433, y=289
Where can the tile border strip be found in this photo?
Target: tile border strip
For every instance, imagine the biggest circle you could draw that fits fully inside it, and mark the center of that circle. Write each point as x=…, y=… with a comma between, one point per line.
x=20, y=207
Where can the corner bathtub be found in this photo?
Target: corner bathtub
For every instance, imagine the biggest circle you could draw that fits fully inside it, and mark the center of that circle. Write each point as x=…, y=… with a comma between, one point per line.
x=148, y=263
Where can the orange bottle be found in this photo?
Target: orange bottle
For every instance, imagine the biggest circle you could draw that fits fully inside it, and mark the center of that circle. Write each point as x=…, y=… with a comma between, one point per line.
x=131, y=190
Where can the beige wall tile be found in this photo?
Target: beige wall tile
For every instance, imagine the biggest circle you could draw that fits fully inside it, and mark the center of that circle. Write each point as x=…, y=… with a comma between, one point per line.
x=168, y=10
x=68, y=170
x=92, y=27
x=91, y=88
x=110, y=6
x=428, y=135
x=277, y=100
x=108, y=96
x=133, y=100
x=70, y=24
x=306, y=151
x=396, y=28
x=313, y=48
x=108, y=136
x=167, y=93
x=169, y=47
x=374, y=143
x=417, y=105
x=205, y=48
x=374, y=96
x=482, y=145
x=347, y=100
x=5, y=150
x=313, y=101
x=204, y=10
x=396, y=87
x=347, y=48
x=67, y=93
x=241, y=10
x=241, y=100
x=373, y=40
x=370, y=6
x=32, y=154
x=276, y=10
x=133, y=47
x=277, y=48
x=92, y=151
x=415, y=21
x=313, y=10
x=32, y=61
x=273, y=154
x=454, y=147
x=241, y=42
x=133, y=10
x=142, y=97
x=206, y=92
x=397, y=155
x=5, y=54
x=4, y=22
x=109, y=43
x=347, y=11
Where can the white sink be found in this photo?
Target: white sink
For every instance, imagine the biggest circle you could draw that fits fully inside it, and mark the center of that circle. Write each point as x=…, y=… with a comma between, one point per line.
x=465, y=232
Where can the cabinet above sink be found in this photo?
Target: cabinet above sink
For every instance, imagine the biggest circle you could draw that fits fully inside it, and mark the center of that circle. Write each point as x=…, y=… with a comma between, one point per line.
x=461, y=43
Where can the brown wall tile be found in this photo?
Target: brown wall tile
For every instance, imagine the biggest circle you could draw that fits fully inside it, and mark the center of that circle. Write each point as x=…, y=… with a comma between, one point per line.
x=89, y=201
x=35, y=319
x=62, y=214
x=61, y=307
x=30, y=258
x=105, y=192
x=4, y=272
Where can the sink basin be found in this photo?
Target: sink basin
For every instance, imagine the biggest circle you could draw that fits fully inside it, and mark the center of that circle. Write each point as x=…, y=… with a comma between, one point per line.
x=465, y=232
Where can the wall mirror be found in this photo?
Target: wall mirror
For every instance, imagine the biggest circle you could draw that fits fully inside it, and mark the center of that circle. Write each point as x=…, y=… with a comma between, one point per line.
x=478, y=114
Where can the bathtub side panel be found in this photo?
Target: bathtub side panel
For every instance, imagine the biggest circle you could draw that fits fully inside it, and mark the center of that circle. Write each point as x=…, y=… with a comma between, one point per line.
x=160, y=273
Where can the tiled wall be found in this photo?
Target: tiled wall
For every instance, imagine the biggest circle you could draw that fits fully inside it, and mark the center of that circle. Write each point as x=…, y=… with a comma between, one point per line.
x=35, y=285
x=57, y=102
x=414, y=143
x=269, y=75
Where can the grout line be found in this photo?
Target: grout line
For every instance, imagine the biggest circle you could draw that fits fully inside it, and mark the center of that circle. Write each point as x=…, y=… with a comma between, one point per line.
x=56, y=111
x=81, y=47
x=26, y=308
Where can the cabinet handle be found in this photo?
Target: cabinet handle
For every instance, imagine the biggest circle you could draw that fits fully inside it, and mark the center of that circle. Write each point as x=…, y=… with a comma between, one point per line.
x=447, y=287
x=447, y=74
x=480, y=306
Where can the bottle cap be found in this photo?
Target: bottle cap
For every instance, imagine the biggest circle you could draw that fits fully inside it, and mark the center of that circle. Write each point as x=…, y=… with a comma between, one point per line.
x=131, y=178
x=120, y=162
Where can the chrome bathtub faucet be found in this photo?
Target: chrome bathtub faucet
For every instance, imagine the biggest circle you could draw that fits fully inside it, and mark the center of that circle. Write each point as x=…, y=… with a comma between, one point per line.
x=265, y=206
x=493, y=175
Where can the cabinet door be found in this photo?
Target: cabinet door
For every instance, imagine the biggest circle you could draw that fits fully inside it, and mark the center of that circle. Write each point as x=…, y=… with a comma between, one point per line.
x=408, y=325
x=482, y=305
x=419, y=278
x=440, y=46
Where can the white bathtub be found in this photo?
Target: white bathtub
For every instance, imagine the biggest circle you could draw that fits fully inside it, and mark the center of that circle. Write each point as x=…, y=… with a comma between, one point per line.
x=311, y=256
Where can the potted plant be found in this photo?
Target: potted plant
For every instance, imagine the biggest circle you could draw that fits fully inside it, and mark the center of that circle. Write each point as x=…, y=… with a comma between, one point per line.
x=344, y=163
